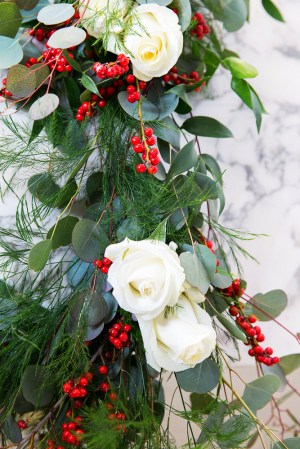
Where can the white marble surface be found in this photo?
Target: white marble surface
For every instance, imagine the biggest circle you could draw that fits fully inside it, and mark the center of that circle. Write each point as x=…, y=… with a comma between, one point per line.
x=262, y=181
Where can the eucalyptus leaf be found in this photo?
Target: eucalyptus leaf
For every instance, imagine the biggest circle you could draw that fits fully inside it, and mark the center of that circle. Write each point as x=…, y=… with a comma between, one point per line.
x=222, y=280
x=268, y=305
x=210, y=188
x=130, y=228
x=11, y=52
x=232, y=328
x=43, y=106
x=290, y=363
x=39, y=254
x=290, y=443
x=184, y=12
x=168, y=131
x=55, y=14
x=89, y=240
x=202, y=402
x=34, y=388
x=178, y=218
x=148, y=109
x=208, y=259
x=11, y=429
x=41, y=73
x=77, y=270
x=67, y=37
x=21, y=81
x=61, y=232
x=202, y=378
x=195, y=271
x=91, y=304
x=10, y=19
x=233, y=13
x=27, y=5
x=259, y=392
x=213, y=167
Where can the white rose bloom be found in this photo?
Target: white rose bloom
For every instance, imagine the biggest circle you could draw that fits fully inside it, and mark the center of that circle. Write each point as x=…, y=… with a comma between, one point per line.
x=146, y=276
x=153, y=42
x=95, y=14
x=180, y=340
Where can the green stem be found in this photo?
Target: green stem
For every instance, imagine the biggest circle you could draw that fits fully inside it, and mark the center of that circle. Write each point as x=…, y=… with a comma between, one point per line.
x=80, y=164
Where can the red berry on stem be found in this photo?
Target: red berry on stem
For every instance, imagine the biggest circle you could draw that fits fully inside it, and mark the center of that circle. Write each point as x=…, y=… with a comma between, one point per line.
x=103, y=370
x=260, y=338
x=22, y=424
x=152, y=170
x=150, y=141
x=135, y=140
x=141, y=168
x=139, y=148
x=127, y=327
x=251, y=352
x=113, y=396
x=269, y=351
x=104, y=269
x=252, y=318
x=153, y=153
x=275, y=360
x=130, y=79
x=148, y=132
x=104, y=386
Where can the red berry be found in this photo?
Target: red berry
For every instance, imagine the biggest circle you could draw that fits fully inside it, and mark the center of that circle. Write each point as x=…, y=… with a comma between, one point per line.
x=67, y=387
x=251, y=332
x=131, y=98
x=109, y=406
x=69, y=413
x=267, y=361
x=22, y=424
x=152, y=170
x=85, y=106
x=65, y=426
x=275, y=360
x=155, y=160
x=260, y=337
x=113, y=332
x=107, y=355
x=151, y=141
x=251, y=352
x=142, y=84
x=111, y=72
x=260, y=358
x=104, y=387
x=127, y=327
x=107, y=262
x=79, y=117
x=233, y=310
x=75, y=393
x=269, y=351
x=123, y=336
x=258, y=350
x=257, y=329
x=117, y=343
x=98, y=263
x=113, y=396
x=130, y=89
x=104, y=269
x=71, y=425
x=148, y=132
x=252, y=318
x=139, y=148
x=89, y=375
x=130, y=79
x=103, y=370
x=83, y=382
x=141, y=168
x=137, y=95
x=153, y=153
x=135, y=140
x=102, y=104
x=77, y=404
x=83, y=392
x=166, y=78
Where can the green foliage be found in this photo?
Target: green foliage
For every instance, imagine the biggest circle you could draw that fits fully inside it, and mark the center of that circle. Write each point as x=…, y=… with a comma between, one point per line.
x=184, y=12
x=202, y=378
x=233, y=13
x=272, y=10
x=11, y=52
x=61, y=233
x=268, y=305
x=239, y=68
x=259, y=392
x=39, y=254
x=184, y=160
x=34, y=388
x=10, y=19
x=290, y=443
x=206, y=127
x=290, y=363
x=89, y=240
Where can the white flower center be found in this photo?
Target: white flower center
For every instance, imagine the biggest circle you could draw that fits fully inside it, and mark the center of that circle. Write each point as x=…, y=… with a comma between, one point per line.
x=147, y=288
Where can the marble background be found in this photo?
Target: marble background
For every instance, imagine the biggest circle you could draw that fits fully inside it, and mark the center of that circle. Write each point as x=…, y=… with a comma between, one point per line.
x=262, y=179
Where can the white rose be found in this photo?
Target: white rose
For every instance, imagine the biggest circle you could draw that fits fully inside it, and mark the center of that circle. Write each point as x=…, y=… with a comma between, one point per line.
x=146, y=276
x=97, y=15
x=181, y=339
x=153, y=41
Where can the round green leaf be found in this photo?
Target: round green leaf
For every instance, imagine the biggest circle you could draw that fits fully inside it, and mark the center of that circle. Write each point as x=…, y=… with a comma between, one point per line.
x=258, y=393
x=39, y=254
x=43, y=106
x=129, y=228
x=290, y=363
x=89, y=240
x=233, y=13
x=208, y=259
x=10, y=19
x=240, y=68
x=34, y=388
x=21, y=81
x=222, y=280
x=149, y=110
x=290, y=443
x=54, y=14
x=91, y=304
x=11, y=430
x=267, y=306
x=202, y=378
x=195, y=272
x=67, y=37
x=206, y=127
x=41, y=72
x=11, y=52
x=63, y=232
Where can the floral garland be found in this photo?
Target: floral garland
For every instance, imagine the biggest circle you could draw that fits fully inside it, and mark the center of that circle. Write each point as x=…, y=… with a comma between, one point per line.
x=114, y=272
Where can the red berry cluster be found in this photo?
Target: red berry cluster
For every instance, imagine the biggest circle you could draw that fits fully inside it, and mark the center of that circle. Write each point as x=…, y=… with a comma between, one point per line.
x=77, y=389
x=4, y=92
x=235, y=289
x=71, y=431
x=118, y=335
x=22, y=424
x=174, y=77
x=112, y=69
x=103, y=264
x=56, y=61
x=254, y=335
x=144, y=146
x=201, y=28
x=41, y=34
x=133, y=94
x=52, y=445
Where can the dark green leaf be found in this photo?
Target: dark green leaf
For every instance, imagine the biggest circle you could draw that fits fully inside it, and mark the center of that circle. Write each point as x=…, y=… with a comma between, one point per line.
x=10, y=427
x=178, y=217
x=10, y=19
x=39, y=254
x=63, y=232
x=34, y=388
x=212, y=62
x=267, y=306
x=202, y=378
x=233, y=13
x=89, y=84
x=202, y=402
x=37, y=127
x=206, y=127
x=27, y=5
x=89, y=240
x=184, y=160
x=258, y=393
x=73, y=63
x=208, y=186
x=90, y=304
x=41, y=73
x=213, y=167
x=168, y=131
x=73, y=92
x=290, y=363
x=237, y=430
x=43, y=187
x=166, y=104
x=130, y=228
x=232, y=328
x=272, y=10
x=215, y=302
